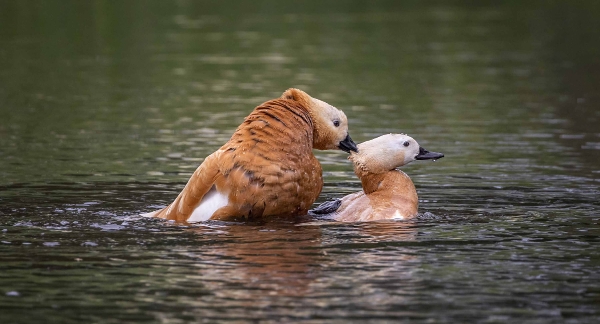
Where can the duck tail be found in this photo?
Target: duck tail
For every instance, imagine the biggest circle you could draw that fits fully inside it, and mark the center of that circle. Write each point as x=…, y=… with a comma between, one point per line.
x=327, y=207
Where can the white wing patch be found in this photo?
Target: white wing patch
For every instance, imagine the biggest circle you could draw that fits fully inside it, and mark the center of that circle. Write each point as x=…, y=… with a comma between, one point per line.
x=150, y=214
x=212, y=201
x=397, y=215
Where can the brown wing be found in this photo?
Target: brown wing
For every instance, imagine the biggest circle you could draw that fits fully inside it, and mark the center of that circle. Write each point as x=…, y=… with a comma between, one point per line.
x=268, y=166
x=354, y=207
x=199, y=184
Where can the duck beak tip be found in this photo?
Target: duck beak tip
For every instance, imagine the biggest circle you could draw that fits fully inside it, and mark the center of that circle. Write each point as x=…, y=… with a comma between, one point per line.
x=348, y=145
x=426, y=155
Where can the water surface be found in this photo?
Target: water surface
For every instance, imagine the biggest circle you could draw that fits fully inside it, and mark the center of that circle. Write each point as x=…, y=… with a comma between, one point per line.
x=106, y=108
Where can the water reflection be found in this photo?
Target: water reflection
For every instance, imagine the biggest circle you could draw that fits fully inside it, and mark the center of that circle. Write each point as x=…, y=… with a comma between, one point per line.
x=246, y=270
x=281, y=260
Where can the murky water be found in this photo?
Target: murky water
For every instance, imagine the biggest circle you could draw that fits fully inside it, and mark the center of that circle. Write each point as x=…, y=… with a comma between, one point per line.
x=107, y=107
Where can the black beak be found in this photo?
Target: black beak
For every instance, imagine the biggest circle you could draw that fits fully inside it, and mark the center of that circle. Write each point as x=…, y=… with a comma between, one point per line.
x=348, y=145
x=426, y=155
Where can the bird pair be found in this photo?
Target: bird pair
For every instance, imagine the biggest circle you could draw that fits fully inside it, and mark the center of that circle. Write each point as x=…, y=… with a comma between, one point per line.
x=268, y=168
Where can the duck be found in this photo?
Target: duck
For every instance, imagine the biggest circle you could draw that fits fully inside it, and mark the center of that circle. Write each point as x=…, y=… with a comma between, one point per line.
x=387, y=193
x=267, y=168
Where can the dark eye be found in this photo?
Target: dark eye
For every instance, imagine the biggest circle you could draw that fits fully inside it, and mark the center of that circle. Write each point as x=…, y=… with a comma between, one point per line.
x=336, y=123
x=406, y=144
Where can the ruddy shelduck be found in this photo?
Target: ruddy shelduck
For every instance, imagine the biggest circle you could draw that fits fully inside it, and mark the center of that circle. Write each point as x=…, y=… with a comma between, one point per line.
x=387, y=193
x=267, y=168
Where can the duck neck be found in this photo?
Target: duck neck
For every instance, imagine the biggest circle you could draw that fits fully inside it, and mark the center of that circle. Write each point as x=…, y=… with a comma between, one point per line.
x=372, y=181
x=394, y=182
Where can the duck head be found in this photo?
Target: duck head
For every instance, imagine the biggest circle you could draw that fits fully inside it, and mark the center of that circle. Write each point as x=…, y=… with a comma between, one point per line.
x=330, y=125
x=388, y=152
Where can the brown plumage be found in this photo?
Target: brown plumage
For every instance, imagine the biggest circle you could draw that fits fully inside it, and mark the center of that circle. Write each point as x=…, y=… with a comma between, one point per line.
x=387, y=193
x=267, y=167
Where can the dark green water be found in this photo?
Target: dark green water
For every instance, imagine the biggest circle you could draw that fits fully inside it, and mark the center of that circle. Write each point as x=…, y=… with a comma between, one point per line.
x=106, y=107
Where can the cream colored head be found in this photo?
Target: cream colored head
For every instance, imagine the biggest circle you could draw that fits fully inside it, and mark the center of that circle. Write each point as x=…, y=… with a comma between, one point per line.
x=330, y=125
x=388, y=152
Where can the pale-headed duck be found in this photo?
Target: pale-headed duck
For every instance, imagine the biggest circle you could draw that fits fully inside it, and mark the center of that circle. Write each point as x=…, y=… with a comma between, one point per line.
x=387, y=193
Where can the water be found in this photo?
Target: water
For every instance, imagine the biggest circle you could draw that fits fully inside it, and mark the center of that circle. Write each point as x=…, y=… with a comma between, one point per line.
x=106, y=108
